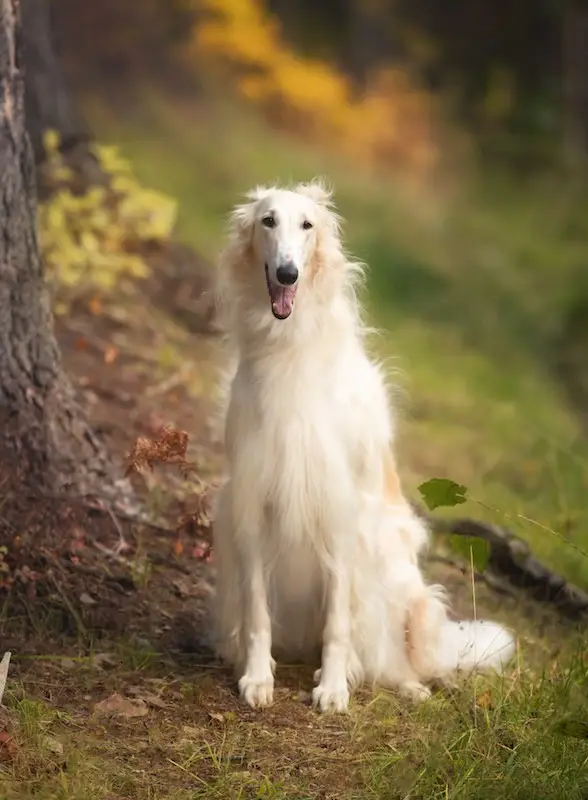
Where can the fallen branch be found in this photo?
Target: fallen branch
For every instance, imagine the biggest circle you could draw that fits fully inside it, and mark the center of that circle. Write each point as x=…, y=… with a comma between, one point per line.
x=511, y=556
x=491, y=580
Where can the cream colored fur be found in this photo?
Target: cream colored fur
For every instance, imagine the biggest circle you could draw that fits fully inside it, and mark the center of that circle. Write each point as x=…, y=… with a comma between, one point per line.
x=316, y=548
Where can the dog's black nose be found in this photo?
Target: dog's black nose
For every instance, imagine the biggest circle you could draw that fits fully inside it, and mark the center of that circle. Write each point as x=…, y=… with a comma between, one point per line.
x=287, y=274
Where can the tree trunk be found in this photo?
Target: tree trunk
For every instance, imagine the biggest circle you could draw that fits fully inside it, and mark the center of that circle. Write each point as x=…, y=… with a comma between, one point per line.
x=48, y=104
x=43, y=435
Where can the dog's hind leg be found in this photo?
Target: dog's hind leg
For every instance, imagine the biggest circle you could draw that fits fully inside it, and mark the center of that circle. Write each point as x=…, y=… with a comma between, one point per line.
x=426, y=616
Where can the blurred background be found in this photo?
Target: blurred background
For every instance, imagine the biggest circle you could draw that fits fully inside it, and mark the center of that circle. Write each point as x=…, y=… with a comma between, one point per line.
x=456, y=137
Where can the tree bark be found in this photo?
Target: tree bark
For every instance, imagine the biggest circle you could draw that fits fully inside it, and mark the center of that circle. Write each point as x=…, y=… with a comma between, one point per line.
x=48, y=104
x=44, y=437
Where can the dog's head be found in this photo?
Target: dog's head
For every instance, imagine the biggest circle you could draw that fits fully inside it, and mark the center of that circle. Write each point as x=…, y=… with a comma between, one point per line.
x=281, y=235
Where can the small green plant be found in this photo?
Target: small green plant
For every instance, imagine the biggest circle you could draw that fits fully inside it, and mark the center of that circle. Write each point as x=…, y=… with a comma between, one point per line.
x=91, y=238
x=443, y=492
x=438, y=492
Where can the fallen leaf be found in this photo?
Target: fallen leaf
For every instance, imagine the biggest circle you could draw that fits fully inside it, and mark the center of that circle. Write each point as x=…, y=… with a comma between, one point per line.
x=53, y=745
x=111, y=354
x=154, y=700
x=178, y=547
x=95, y=305
x=216, y=716
x=202, y=551
x=169, y=447
x=104, y=660
x=7, y=746
x=122, y=706
x=484, y=699
x=87, y=600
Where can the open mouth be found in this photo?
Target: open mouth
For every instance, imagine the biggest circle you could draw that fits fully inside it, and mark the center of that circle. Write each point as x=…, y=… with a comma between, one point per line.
x=281, y=297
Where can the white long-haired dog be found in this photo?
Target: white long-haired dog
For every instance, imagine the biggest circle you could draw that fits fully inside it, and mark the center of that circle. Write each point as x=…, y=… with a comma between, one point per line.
x=316, y=547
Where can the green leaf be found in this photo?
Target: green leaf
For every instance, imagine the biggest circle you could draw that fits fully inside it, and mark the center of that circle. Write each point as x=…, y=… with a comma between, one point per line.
x=576, y=728
x=442, y=492
x=470, y=547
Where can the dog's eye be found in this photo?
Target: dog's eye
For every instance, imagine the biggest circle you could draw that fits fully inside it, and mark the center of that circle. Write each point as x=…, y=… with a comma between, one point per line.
x=269, y=221
x=307, y=225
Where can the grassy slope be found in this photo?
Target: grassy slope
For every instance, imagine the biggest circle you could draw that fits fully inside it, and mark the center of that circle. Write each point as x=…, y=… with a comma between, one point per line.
x=468, y=299
x=478, y=409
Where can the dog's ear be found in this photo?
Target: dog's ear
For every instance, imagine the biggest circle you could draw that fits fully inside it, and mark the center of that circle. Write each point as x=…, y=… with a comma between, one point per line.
x=254, y=195
x=243, y=215
x=318, y=191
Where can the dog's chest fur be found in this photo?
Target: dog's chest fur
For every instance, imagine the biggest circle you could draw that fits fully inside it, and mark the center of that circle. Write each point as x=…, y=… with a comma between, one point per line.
x=304, y=419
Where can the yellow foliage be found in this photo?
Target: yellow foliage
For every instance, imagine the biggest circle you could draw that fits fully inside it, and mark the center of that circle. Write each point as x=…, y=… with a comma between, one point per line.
x=92, y=239
x=390, y=123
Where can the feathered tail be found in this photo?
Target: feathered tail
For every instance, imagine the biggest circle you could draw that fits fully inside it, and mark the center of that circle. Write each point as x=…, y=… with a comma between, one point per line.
x=439, y=647
x=474, y=646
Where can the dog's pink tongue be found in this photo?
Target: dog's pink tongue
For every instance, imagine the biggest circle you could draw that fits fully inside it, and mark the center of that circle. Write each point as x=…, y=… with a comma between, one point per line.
x=282, y=299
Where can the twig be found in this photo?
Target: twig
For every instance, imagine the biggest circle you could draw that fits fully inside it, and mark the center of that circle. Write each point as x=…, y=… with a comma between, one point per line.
x=175, y=379
x=122, y=544
x=70, y=607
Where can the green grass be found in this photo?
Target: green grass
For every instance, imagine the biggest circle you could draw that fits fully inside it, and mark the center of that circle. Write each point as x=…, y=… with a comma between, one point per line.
x=497, y=738
x=469, y=292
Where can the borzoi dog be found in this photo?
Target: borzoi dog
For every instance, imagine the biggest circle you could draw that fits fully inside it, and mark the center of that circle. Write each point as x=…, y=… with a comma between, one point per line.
x=316, y=547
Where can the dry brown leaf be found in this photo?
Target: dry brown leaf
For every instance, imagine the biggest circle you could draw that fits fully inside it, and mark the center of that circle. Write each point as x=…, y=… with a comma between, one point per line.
x=95, y=305
x=53, y=745
x=187, y=587
x=178, y=547
x=7, y=746
x=216, y=716
x=104, y=660
x=154, y=700
x=111, y=354
x=122, y=706
x=87, y=599
x=484, y=699
x=169, y=447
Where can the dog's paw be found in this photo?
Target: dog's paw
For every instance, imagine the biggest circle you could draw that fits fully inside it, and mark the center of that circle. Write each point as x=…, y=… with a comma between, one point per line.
x=257, y=692
x=331, y=698
x=415, y=691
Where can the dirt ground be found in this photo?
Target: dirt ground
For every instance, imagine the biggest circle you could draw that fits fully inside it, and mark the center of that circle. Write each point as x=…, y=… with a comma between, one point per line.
x=88, y=622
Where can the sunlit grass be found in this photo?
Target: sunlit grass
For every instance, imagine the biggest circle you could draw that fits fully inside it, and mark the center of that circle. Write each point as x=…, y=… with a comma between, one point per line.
x=517, y=736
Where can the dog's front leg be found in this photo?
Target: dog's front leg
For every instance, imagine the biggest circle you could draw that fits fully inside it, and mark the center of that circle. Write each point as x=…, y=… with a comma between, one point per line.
x=256, y=686
x=332, y=693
